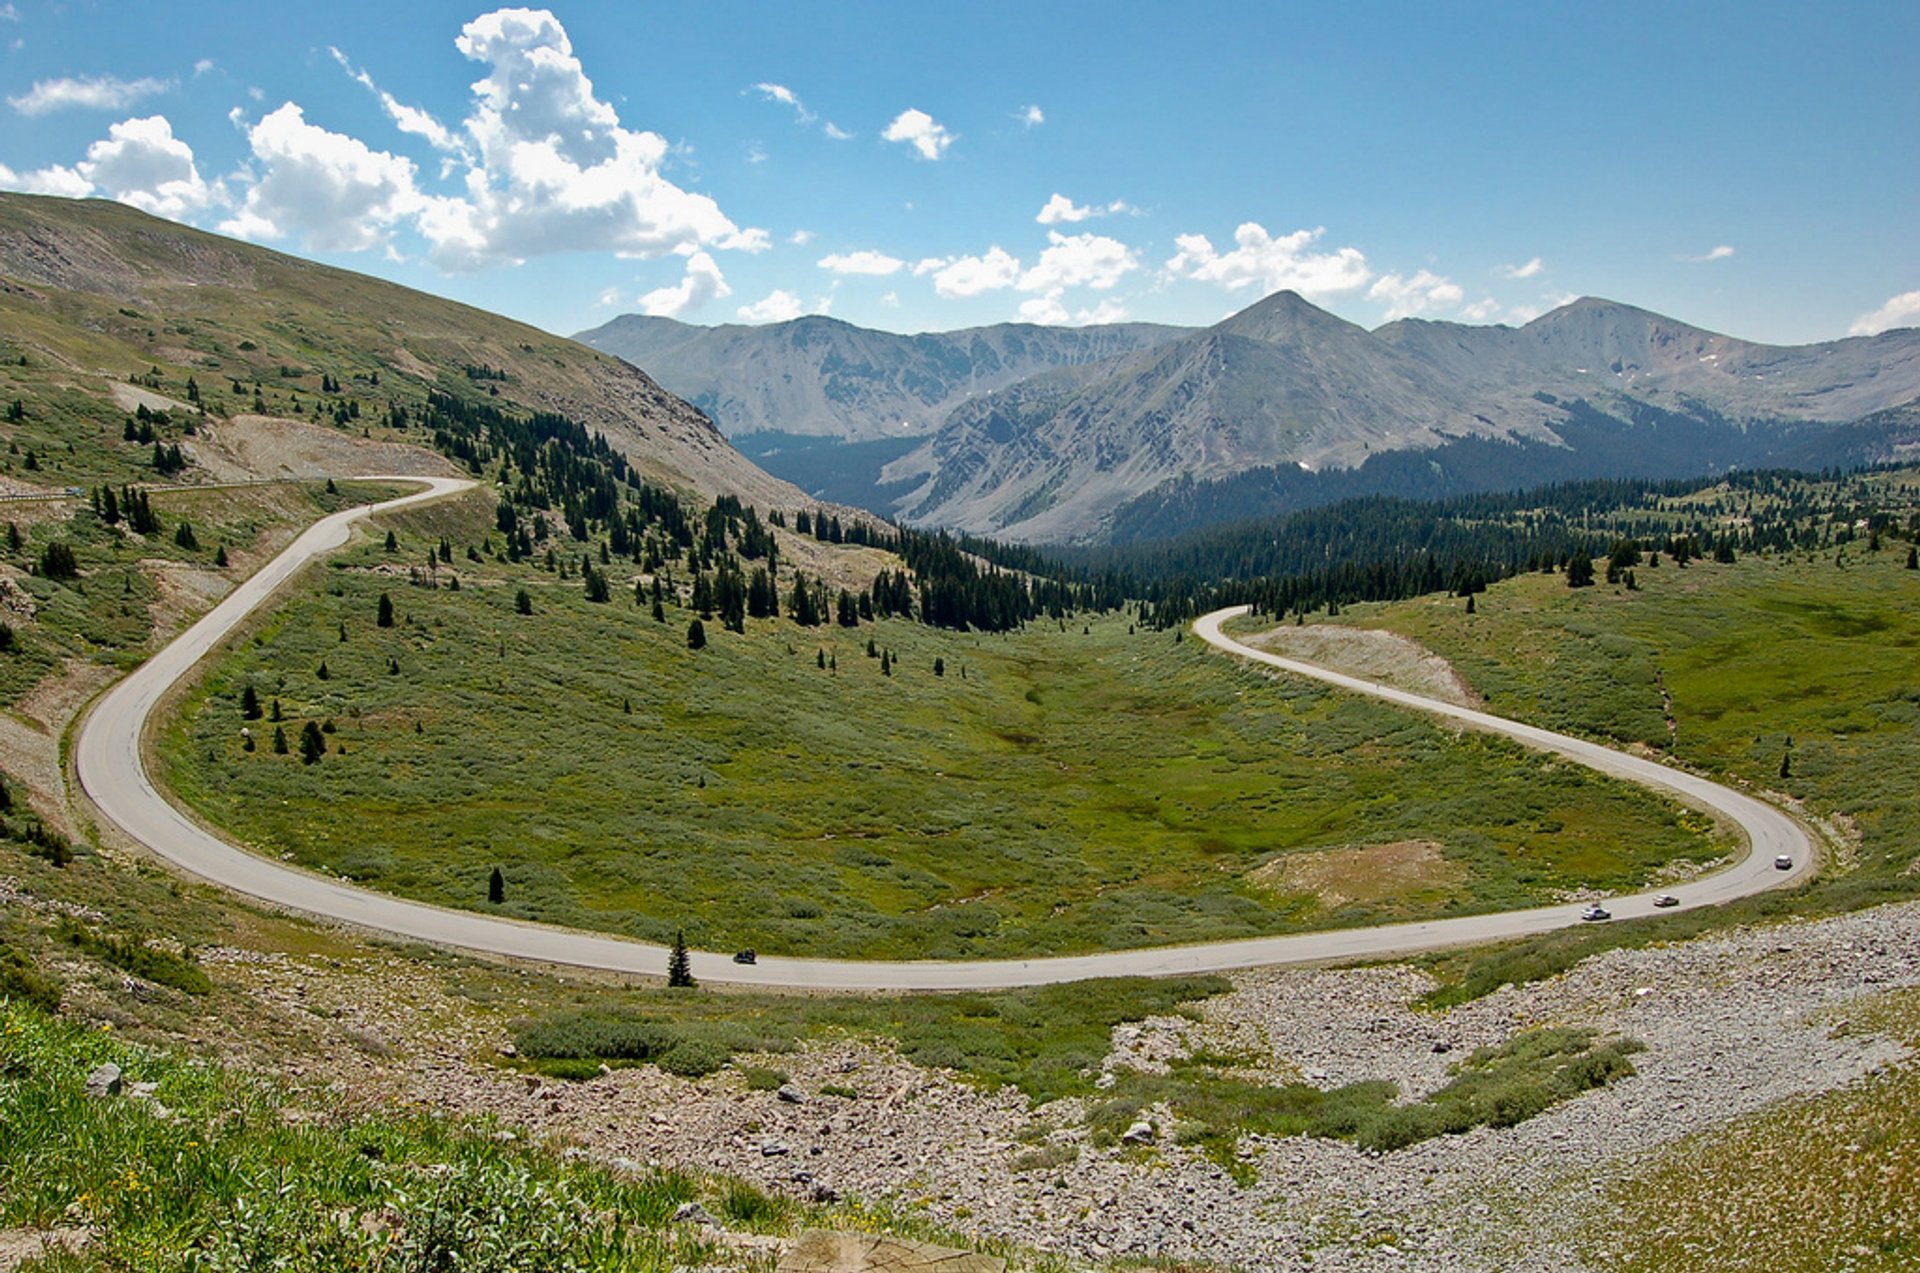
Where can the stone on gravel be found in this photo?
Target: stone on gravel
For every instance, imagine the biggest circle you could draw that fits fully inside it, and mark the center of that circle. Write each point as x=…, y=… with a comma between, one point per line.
x=694, y=1213
x=1141, y=1133
x=791, y=1095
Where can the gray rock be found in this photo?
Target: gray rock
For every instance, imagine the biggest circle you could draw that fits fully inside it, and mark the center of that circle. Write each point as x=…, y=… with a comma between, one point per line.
x=1141, y=1133
x=104, y=1081
x=694, y=1213
x=791, y=1095
x=771, y=1148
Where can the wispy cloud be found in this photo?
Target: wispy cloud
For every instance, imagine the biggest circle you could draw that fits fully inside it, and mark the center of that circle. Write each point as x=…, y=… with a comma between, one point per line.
x=1031, y=116
x=101, y=92
x=1533, y=266
x=1719, y=253
x=786, y=97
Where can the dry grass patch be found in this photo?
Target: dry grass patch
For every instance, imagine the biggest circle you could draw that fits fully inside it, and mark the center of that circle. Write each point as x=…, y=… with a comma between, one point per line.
x=1361, y=874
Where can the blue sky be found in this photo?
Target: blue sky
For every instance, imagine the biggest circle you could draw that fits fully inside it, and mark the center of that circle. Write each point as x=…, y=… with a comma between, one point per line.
x=1749, y=168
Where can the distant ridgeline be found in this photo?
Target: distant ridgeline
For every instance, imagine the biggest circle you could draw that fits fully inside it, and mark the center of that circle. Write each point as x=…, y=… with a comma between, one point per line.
x=565, y=485
x=1384, y=549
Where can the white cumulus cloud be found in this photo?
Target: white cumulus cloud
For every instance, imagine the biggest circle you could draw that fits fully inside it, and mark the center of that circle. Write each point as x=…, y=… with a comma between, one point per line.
x=1079, y=260
x=1719, y=253
x=100, y=92
x=917, y=129
x=54, y=179
x=862, y=262
x=335, y=191
x=555, y=170
x=140, y=162
x=702, y=282
x=776, y=306
x=1406, y=297
x=1259, y=259
x=1533, y=266
x=1482, y=310
x=1031, y=116
x=1899, y=311
x=971, y=275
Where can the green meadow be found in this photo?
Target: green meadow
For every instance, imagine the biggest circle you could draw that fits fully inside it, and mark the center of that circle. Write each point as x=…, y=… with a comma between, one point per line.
x=1072, y=787
x=1795, y=673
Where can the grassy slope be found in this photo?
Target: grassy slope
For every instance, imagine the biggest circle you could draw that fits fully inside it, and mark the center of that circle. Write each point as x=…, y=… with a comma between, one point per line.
x=1753, y=654
x=110, y=292
x=1829, y=1182
x=1071, y=791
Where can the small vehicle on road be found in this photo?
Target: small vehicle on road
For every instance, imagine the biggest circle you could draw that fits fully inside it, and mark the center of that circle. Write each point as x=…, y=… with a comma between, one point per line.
x=1783, y=863
x=1665, y=900
x=1596, y=912
x=745, y=957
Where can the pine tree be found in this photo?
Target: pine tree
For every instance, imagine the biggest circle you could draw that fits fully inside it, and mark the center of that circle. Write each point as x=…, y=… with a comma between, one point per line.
x=1469, y=603
x=886, y=663
x=1913, y=559
x=184, y=536
x=696, y=635
x=679, y=967
x=249, y=704
x=385, y=617
x=939, y=666
x=393, y=545
x=523, y=602
x=323, y=674
x=496, y=887
x=220, y=557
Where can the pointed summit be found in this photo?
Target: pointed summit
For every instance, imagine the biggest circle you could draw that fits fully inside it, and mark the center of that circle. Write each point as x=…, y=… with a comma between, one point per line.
x=1286, y=317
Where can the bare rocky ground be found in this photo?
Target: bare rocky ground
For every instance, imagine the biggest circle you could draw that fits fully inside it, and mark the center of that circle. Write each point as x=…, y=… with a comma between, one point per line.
x=1382, y=656
x=1732, y=1024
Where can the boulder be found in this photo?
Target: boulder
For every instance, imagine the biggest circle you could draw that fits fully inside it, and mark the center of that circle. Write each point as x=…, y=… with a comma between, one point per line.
x=1141, y=1133
x=104, y=1081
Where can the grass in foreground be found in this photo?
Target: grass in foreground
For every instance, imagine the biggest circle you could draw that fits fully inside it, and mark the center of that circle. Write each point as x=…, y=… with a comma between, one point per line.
x=1066, y=788
x=1830, y=1182
x=219, y=1172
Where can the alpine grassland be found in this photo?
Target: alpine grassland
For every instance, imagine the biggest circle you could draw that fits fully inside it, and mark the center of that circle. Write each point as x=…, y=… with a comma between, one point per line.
x=1795, y=673
x=881, y=790
x=1788, y=1187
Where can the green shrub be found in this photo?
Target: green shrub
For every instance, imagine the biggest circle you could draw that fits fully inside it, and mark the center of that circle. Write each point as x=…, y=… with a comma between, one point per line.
x=158, y=966
x=20, y=979
x=761, y=1079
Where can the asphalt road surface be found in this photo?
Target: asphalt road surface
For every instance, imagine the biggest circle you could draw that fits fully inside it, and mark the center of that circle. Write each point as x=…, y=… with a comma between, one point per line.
x=112, y=769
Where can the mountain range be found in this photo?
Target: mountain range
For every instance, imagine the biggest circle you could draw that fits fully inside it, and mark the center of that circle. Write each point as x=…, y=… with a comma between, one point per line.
x=1121, y=432
x=820, y=377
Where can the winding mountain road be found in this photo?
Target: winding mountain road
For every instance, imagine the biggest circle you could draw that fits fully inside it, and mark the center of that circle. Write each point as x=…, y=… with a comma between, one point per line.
x=111, y=767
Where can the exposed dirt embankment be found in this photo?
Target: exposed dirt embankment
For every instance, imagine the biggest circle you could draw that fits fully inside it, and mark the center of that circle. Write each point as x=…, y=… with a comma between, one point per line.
x=1378, y=656
x=254, y=446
